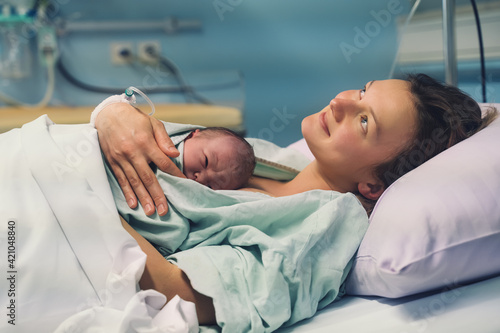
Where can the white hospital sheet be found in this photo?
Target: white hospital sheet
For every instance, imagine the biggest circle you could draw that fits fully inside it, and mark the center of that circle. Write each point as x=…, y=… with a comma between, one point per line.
x=464, y=309
x=71, y=264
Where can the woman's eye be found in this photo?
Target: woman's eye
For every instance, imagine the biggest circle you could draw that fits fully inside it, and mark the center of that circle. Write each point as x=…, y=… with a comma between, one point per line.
x=362, y=92
x=364, y=123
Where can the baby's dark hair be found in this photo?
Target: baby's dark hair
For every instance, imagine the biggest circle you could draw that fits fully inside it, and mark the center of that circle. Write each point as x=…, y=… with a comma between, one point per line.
x=244, y=156
x=445, y=116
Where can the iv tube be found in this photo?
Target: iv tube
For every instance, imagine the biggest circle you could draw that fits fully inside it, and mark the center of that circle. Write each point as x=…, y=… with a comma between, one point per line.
x=129, y=92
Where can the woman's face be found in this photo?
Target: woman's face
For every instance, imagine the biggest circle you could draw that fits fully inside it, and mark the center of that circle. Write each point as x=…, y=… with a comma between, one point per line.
x=359, y=130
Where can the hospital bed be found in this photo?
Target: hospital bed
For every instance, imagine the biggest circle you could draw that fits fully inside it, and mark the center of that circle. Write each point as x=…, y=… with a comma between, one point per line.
x=469, y=308
x=198, y=114
x=428, y=263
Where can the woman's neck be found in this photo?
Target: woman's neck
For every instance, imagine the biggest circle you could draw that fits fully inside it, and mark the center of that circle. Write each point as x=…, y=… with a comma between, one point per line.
x=308, y=179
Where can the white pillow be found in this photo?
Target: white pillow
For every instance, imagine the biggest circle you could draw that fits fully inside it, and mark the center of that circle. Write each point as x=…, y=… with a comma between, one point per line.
x=436, y=227
x=301, y=146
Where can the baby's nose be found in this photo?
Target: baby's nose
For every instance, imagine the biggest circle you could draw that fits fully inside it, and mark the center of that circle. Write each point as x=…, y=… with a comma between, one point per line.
x=200, y=177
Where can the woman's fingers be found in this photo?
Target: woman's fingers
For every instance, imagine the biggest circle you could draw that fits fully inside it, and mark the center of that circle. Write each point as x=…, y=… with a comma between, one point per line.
x=127, y=140
x=134, y=160
x=127, y=190
x=162, y=139
x=142, y=187
x=139, y=180
x=147, y=189
x=167, y=147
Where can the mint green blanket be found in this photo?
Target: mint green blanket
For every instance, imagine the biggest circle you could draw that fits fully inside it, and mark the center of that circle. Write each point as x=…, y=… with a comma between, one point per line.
x=266, y=262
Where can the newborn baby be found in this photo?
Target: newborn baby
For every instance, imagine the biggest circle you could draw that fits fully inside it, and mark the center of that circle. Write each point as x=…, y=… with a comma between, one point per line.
x=216, y=157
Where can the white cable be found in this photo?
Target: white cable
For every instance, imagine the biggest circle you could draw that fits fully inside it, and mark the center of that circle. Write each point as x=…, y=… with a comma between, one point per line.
x=403, y=30
x=48, y=93
x=129, y=93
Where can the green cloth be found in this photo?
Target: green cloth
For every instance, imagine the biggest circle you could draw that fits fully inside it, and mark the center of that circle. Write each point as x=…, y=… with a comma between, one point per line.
x=178, y=134
x=265, y=261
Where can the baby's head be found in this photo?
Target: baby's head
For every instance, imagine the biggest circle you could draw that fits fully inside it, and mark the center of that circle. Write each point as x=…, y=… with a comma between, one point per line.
x=218, y=158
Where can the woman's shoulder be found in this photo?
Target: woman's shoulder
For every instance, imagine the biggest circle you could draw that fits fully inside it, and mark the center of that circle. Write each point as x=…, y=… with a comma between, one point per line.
x=255, y=190
x=263, y=185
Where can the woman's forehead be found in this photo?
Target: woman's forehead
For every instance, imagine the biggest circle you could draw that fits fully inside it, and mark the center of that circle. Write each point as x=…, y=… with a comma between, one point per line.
x=392, y=103
x=391, y=100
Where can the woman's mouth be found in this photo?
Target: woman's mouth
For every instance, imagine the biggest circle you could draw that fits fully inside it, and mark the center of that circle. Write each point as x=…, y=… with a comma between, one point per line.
x=322, y=121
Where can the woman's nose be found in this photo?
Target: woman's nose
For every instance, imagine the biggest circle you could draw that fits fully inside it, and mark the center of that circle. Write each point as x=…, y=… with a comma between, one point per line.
x=341, y=107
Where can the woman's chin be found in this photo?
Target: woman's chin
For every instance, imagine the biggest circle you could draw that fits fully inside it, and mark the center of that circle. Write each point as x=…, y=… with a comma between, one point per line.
x=306, y=126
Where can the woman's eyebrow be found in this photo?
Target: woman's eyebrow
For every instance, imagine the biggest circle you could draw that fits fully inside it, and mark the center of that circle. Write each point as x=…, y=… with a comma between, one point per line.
x=377, y=124
x=377, y=127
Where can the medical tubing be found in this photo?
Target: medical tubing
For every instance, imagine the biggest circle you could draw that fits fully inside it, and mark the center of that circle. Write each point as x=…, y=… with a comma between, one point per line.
x=481, y=49
x=126, y=97
x=129, y=92
x=187, y=89
x=172, y=68
x=403, y=30
x=114, y=91
x=48, y=93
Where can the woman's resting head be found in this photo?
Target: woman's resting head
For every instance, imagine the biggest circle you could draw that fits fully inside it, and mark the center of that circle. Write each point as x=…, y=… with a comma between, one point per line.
x=366, y=139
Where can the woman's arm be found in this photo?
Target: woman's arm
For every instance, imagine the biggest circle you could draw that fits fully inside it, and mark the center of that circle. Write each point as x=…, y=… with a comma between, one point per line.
x=131, y=140
x=166, y=278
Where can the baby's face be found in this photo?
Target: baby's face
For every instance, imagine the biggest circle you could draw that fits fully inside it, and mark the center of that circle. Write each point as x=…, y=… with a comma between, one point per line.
x=210, y=161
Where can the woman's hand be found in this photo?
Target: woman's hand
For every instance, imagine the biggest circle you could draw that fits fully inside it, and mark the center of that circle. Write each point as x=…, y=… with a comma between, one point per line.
x=131, y=140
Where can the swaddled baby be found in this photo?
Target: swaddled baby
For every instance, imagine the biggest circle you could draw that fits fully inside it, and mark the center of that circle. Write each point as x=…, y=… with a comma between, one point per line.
x=216, y=157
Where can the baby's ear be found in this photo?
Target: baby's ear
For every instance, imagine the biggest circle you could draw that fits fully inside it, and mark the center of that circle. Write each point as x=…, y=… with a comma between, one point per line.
x=193, y=134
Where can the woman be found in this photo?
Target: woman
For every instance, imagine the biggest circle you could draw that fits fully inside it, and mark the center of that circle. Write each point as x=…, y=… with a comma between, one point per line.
x=363, y=141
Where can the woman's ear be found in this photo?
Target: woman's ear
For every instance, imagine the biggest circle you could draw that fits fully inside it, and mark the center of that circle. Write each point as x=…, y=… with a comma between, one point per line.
x=371, y=190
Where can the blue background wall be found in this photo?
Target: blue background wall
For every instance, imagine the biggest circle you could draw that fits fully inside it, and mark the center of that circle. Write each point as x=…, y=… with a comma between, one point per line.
x=289, y=53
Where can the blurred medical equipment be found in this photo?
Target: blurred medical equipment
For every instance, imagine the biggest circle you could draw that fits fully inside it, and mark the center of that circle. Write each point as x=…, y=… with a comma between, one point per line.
x=449, y=46
x=29, y=35
x=191, y=94
x=450, y=49
x=169, y=25
x=449, y=42
x=20, y=22
x=23, y=21
x=481, y=50
x=403, y=30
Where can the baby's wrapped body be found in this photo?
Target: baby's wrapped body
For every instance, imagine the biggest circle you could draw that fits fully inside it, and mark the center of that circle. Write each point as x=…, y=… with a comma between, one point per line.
x=265, y=261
